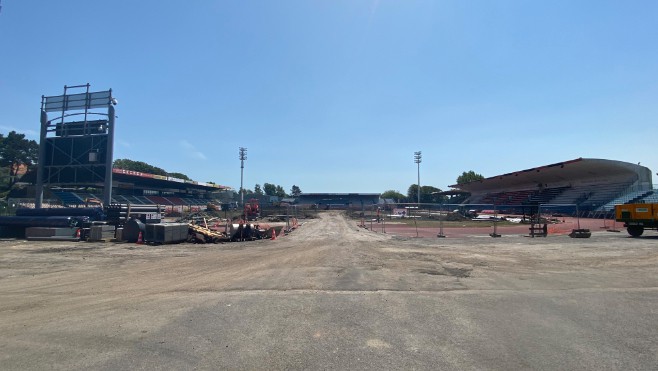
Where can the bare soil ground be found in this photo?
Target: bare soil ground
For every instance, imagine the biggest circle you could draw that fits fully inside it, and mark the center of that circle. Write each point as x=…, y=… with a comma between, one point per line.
x=333, y=296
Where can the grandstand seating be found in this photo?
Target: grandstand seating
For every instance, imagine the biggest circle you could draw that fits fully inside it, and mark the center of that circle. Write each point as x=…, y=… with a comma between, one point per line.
x=474, y=199
x=547, y=195
x=159, y=200
x=572, y=195
x=590, y=196
x=508, y=198
x=143, y=200
x=602, y=194
x=651, y=198
x=122, y=199
x=624, y=199
x=135, y=200
x=519, y=198
x=69, y=198
x=78, y=198
x=175, y=200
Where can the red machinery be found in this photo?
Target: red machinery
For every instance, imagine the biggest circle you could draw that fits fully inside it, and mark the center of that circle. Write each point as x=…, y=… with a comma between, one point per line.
x=251, y=209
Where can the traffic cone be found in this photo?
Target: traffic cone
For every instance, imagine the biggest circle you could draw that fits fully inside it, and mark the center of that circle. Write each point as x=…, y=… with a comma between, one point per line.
x=140, y=239
x=273, y=234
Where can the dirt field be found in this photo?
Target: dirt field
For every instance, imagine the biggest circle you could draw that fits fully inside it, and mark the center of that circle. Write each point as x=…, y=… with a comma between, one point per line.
x=333, y=296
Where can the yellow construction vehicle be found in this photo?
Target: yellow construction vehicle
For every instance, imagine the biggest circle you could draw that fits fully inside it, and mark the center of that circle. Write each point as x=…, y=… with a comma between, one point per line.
x=637, y=217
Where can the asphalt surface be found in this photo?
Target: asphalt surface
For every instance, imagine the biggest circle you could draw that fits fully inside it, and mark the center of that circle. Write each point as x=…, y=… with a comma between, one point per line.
x=333, y=296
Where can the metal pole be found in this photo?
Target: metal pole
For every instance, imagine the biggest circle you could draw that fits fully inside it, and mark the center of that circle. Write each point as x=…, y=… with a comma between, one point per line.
x=243, y=157
x=418, y=159
x=440, y=222
x=416, y=225
x=371, y=220
x=288, y=217
x=495, y=222
x=419, y=183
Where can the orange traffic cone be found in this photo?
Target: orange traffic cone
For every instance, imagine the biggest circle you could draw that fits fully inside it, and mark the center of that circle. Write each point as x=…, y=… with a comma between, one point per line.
x=140, y=240
x=273, y=234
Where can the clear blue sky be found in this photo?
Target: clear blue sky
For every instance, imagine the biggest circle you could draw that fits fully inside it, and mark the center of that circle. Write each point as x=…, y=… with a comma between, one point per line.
x=335, y=96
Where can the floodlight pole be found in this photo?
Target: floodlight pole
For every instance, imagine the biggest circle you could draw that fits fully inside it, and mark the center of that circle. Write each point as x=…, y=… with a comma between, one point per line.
x=418, y=159
x=243, y=157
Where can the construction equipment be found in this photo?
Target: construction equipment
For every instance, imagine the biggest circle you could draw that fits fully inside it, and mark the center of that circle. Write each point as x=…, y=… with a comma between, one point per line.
x=637, y=217
x=213, y=207
x=252, y=209
x=205, y=235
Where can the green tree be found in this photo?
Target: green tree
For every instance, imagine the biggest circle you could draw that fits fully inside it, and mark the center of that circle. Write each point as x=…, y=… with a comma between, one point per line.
x=17, y=153
x=412, y=193
x=126, y=164
x=258, y=190
x=270, y=189
x=4, y=180
x=392, y=194
x=280, y=192
x=470, y=176
x=428, y=194
x=295, y=191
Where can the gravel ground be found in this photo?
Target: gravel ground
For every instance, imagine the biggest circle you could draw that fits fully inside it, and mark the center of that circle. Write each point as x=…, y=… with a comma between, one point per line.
x=333, y=296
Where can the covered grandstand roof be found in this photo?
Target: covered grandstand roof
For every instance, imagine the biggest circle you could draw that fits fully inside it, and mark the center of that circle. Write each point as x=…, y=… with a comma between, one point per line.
x=151, y=180
x=580, y=168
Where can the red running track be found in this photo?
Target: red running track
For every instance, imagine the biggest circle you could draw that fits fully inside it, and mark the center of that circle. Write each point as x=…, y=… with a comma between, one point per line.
x=565, y=226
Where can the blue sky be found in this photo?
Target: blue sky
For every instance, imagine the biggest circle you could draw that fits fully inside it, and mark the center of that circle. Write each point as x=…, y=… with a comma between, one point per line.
x=335, y=96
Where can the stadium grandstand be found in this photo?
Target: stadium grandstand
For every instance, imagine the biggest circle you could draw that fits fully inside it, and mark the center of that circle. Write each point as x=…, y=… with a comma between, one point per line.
x=594, y=185
x=338, y=200
x=137, y=188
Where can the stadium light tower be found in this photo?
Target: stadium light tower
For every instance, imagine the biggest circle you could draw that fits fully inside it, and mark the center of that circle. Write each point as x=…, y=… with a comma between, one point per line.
x=417, y=159
x=243, y=157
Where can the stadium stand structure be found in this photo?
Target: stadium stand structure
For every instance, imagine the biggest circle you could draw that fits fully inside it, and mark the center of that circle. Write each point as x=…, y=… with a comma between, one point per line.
x=592, y=184
x=628, y=198
x=138, y=188
x=650, y=198
x=338, y=200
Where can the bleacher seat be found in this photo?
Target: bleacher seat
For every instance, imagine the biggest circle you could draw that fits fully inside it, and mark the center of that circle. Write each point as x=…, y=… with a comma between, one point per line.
x=651, y=198
x=69, y=198
x=629, y=197
x=159, y=200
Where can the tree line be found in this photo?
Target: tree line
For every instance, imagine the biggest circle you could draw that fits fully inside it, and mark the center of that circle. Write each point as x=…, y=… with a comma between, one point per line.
x=18, y=155
x=269, y=189
x=143, y=167
x=430, y=194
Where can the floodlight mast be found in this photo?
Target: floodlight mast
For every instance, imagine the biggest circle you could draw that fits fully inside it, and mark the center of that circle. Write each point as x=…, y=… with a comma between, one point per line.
x=418, y=159
x=243, y=157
